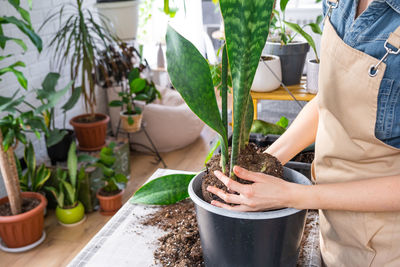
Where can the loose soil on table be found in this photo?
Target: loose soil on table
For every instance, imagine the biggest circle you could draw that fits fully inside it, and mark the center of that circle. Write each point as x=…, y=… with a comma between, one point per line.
x=104, y=193
x=180, y=247
x=27, y=205
x=251, y=158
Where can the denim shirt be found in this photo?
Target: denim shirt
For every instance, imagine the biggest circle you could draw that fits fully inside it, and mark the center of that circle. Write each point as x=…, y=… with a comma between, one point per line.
x=368, y=34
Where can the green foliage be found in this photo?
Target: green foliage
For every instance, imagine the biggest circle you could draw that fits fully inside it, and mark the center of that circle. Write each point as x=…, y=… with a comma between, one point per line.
x=139, y=89
x=80, y=42
x=106, y=164
x=67, y=189
x=265, y=128
x=283, y=122
x=164, y=190
x=35, y=177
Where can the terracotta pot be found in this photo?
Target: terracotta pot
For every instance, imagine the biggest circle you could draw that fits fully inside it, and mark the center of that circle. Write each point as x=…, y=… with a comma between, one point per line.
x=135, y=126
x=26, y=228
x=109, y=205
x=92, y=135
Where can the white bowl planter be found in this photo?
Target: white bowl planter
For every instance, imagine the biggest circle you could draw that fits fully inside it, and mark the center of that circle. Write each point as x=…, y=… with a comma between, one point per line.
x=265, y=80
x=123, y=15
x=312, y=76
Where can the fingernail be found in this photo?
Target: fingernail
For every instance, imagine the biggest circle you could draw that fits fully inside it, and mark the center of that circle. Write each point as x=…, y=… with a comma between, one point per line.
x=208, y=188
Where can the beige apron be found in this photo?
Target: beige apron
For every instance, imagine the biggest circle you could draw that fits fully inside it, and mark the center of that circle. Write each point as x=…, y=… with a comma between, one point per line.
x=347, y=149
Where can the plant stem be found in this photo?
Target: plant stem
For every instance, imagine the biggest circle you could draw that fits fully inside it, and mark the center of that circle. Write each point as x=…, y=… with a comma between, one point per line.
x=224, y=115
x=10, y=177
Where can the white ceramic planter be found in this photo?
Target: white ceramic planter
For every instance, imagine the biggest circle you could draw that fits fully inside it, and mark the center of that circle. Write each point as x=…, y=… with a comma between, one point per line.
x=312, y=76
x=135, y=126
x=264, y=80
x=124, y=17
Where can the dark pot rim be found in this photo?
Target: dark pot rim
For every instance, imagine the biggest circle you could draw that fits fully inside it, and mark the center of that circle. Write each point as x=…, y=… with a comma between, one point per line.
x=247, y=215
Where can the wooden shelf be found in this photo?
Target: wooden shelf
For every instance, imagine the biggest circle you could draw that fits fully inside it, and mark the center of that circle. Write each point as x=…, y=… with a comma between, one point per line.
x=298, y=90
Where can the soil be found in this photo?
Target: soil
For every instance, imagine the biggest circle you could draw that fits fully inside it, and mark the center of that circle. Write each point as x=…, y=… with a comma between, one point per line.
x=251, y=158
x=267, y=58
x=109, y=193
x=181, y=245
x=89, y=119
x=27, y=205
x=306, y=157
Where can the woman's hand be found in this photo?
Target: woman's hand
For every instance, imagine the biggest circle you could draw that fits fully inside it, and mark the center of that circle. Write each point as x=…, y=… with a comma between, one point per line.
x=267, y=192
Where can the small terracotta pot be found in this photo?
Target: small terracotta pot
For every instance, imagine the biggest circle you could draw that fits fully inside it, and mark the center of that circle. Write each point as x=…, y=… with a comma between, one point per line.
x=91, y=136
x=135, y=126
x=26, y=228
x=109, y=205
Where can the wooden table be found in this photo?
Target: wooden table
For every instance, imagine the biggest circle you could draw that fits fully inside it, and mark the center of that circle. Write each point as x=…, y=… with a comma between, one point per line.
x=298, y=90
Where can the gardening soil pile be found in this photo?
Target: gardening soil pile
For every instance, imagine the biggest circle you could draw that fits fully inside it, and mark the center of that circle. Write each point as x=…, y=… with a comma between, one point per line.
x=181, y=246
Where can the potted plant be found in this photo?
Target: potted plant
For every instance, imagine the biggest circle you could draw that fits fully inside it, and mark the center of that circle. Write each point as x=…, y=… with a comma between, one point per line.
x=110, y=195
x=230, y=238
x=79, y=42
x=313, y=64
x=58, y=141
x=70, y=211
x=282, y=43
x=139, y=90
x=18, y=227
x=265, y=80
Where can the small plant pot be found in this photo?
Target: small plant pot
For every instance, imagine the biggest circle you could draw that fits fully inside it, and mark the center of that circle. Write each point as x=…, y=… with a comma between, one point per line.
x=59, y=151
x=312, y=76
x=70, y=216
x=135, y=126
x=23, y=229
x=109, y=205
x=123, y=15
x=293, y=57
x=91, y=135
x=265, y=80
x=229, y=238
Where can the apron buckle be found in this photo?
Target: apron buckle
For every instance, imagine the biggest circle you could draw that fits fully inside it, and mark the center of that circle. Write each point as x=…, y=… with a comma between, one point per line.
x=332, y=5
x=373, y=69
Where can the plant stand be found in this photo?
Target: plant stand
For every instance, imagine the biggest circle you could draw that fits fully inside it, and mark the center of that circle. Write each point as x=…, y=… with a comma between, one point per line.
x=152, y=150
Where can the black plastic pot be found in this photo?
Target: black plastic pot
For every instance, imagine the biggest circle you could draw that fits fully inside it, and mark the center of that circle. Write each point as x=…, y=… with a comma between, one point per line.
x=59, y=151
x=229, y=238
x=293, y=56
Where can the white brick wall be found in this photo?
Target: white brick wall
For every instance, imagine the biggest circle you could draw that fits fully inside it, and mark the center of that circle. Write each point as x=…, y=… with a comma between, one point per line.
x=38, y=65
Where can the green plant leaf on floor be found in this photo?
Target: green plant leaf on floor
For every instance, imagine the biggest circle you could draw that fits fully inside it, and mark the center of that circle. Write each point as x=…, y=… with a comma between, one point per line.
x=164, y=190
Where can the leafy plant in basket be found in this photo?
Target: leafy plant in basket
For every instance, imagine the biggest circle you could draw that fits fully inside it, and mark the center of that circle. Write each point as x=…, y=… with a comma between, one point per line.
x=110, y=195
x=268, y=238
x=79, y=42
x=139, y=90
x=69, y=209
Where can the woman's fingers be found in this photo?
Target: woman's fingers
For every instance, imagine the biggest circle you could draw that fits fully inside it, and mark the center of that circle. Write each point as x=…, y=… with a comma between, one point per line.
x=246, y=174
x=229, y=207
x=229, y=198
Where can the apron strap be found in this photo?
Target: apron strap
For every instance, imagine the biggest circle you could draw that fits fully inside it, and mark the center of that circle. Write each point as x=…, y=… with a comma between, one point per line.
x=394, y=38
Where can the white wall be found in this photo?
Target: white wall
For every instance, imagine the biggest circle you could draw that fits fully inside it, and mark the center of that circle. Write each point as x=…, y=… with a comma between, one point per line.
x=38, y=65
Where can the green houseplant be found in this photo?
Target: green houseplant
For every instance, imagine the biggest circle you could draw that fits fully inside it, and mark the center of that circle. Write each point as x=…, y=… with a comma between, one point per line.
x=139, y=90
x=79, y=42
x=13, y=126
x=110, y=195
x=70, y=210
x=269, y=238
x=282, y=43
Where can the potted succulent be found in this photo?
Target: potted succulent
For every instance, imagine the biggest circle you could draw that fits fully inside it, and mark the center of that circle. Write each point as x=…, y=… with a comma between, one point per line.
x=282, y=43
x=230, y=238
x=18, y=227
x=58, y=141
x=139, y=90
x=110, y=195
x=70, y=211
x=79, y=42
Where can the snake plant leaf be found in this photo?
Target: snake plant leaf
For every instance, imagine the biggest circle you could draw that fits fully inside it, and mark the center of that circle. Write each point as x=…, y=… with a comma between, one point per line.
x=164, y=190
x=190, y=75
x=42, y=175
x=70, y=191
x=246, y=31
x=248, y=122
x=30, y=159
x=72, y=163
x=58, y=195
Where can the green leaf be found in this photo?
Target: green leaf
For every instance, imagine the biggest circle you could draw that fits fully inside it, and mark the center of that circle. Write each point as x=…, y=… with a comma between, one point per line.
x=72, y=163
x=133, y=74
x=20, y=76
x=58, y=195
x=315, y=28
x=283, y=122
x=120, y=178
x=70, y=191
x=106, y=170
x=54, y=137
x=246, y=30
x=107, y=158
x=248, y=121
x=73, y=99
x=137, y=85
x=41, y=177
x=4, y=39
x=164, y=190
x=130, y=120
x=86, y=158
x=50, y=81
x=141, y=97
x=283, y=4
x=190, y=75
x=295, y=27
x=52, y=97
x=30, y=159
x=211, y=153
x=116, y=103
